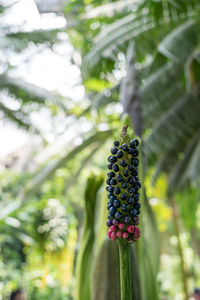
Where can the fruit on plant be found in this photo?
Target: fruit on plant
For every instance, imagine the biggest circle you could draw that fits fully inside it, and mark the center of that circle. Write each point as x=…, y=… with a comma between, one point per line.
x=123, y=185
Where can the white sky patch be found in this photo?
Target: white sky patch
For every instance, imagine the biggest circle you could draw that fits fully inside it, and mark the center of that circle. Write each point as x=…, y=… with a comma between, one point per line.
x=52, y=70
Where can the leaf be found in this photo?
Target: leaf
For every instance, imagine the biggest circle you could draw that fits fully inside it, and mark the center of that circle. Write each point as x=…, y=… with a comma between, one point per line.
x=8, y=209
x=51, y=167
x=116, y=34
x=25, y=90
x=187, y=168
x=161, y=91
x=179, y=43
x=88, y=158
x=182, y=116
x=86, y=251
x=109, y=9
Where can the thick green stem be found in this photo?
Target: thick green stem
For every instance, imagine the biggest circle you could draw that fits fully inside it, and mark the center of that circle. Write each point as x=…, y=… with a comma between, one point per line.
x=125, y=269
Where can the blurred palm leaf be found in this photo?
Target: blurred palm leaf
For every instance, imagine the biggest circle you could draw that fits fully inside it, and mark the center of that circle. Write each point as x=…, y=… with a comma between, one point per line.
x=57, y=163
x=86, y=252
x=26, y=91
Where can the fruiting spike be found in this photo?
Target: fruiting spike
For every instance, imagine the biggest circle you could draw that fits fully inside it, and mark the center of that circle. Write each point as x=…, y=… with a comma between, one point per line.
x=123, y=187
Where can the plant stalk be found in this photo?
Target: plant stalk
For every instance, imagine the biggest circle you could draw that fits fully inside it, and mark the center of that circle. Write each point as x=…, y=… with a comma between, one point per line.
x=125, y=269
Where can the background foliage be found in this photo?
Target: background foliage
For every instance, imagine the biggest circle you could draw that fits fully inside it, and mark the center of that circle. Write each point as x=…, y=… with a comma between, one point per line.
x=52, y=218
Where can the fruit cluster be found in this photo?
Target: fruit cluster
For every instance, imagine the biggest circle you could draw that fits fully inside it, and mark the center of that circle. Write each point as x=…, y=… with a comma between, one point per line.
x=123, y=185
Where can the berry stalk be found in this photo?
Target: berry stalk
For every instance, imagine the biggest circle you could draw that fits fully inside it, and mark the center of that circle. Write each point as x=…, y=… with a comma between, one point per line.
x=125, y=269
x=123, y=205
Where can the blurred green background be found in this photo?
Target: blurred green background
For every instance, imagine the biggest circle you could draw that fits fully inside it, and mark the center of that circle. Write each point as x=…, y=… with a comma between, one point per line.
x=72, y=73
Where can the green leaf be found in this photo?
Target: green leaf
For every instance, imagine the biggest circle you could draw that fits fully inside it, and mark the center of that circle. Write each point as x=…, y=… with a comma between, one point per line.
x=51, y=167
x=179, y=43
x=86, y=252
x=25, y=90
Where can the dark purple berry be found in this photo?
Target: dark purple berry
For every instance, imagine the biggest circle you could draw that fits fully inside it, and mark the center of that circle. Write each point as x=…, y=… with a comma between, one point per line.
x=113, y=182
x=117, y=190
x=109, y=223
x=123, y=196
x=131, y=167
x=112, y=198
x=109, y=166
x=127, y=219
x=110, y=217
x=135, y=162
x=112, y=159
x=138, y=211
x=124, y=207
x=110, y=189
x=113, y=150
x=123, y=163
x=109, y=206
x=136, y=197
x=108, y=180
x=135, y=152
x=136, y=187
x=126, y=173
x=134, y=143
x=109, y=195
x=119, y=178
x=125, y=147
x=119, y=154
x=115, y=168
x=112, y=210
x=130, y=151
x=124, y=184
x=137, y=205
x=115, y=222
x=131, y=190
x=107, y=187
x=130, y=200
x=117, y=203
x=116, y=143
x=111, y=174
x=118, y=215
x=134, y=172
x=136, y=178
x=133, y=212
x=131, y=180
x=139, y=184
x=136, y=220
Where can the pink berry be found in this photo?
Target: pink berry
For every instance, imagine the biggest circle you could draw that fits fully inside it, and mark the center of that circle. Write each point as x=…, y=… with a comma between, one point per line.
x=113, y=236
x=113, y=228
x=130, y=228
x=121, y=226
x=136, y=231
x=109, y=233
x=125, y=235
x=119, y=234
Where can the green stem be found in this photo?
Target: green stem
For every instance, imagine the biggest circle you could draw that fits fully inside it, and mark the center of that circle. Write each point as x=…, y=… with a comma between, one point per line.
x=125, y=269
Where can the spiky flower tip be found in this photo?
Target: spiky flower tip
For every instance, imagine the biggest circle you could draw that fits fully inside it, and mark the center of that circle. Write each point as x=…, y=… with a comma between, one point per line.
x=123, y=189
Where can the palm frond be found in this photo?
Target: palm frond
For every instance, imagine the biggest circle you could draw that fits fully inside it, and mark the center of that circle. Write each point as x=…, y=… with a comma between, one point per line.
x=160, y=91
x=116, y=34
x=26, y=91
x=51, y=167
x=179, y=43
x=109, y=9
x=36, y=36
x=175, y=127
x=187, y=168
x=18, y=117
